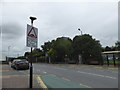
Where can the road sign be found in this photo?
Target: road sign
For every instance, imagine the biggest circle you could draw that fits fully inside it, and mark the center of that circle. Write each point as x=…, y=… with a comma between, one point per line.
x=32, y=36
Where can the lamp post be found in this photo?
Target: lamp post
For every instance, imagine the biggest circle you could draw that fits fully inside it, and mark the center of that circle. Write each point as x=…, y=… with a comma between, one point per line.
x=80, y=30
x=79, y=56
x=31, y=67
x=8, y=50
x=8, y=53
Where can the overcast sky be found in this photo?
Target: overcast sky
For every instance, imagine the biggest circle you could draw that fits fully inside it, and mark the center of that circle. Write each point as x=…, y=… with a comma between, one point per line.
x=99, y=19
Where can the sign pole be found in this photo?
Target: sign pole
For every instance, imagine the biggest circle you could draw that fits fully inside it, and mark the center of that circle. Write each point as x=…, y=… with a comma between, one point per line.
x=31, y=71
x=31, y=67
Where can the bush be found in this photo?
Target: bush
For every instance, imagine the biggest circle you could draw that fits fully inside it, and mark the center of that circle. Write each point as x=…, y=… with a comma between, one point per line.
x=41, y=59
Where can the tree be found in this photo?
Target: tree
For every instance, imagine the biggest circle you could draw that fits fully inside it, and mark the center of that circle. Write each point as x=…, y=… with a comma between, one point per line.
x=36, y=53
x=47, y=46
x=27, y=54
x=117, y=44
x=52, y=55
x=62, y=46
x=89, y=48
x=107, y=48
x=58, y=49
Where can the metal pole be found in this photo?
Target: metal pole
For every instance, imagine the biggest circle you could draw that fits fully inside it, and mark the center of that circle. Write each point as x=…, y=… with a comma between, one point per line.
x=81, y=32
x=107, y=60
x=114, y=60
x=31, y=70
x=8, y=53
x=31, y=67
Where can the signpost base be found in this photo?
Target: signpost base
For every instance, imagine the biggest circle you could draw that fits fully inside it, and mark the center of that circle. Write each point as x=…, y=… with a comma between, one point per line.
x=31, y=76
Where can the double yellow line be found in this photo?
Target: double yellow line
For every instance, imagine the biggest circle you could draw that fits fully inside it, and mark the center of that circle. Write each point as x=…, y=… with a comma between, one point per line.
x=4, y=77
x=4, y=70
x=85, y=85
x=42, y=84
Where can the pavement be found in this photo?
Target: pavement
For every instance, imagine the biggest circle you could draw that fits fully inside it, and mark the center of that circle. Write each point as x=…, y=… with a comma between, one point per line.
x=16, y=79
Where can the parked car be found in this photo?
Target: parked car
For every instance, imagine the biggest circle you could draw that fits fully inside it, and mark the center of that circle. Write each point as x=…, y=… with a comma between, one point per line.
x=20, y=64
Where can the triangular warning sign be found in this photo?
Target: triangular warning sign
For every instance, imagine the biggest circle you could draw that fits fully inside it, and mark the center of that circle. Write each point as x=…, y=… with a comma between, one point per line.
x=32, y=33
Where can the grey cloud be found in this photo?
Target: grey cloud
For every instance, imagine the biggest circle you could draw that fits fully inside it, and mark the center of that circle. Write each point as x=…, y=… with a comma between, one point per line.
x=59, y=19
x=11, y=31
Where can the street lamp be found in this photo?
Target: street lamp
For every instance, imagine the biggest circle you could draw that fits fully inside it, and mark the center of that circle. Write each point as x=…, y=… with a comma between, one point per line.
x=32, y=19
x=8, y=53
x=80, y=30
x=8, y=50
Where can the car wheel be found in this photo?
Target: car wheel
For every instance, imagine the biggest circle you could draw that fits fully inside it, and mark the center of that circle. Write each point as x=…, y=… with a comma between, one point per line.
x=16, y=68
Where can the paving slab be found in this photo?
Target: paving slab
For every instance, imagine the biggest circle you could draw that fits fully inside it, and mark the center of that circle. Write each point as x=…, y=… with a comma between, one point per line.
x=15, y=79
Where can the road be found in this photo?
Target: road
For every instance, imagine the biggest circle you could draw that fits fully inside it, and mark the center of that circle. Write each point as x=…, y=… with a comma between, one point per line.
x=87, y=76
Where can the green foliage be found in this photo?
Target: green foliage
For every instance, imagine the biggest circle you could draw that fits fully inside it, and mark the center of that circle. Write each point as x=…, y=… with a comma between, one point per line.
x=27, y=54
x=47, y=46
x=112, y=48
x=57, y=49
x=63, y=46
x=42, y=58
x=107, y=48
x=36, y=53
x=88, y=47
x=117, y=44
x=52, y=52
x=21, y=57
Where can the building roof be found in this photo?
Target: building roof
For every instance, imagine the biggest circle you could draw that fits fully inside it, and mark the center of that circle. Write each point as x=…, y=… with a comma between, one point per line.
x=111, y=52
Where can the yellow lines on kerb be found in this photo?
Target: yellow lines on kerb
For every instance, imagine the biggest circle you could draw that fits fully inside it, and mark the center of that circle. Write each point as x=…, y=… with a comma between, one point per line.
x=41, y=82
x=85, y=85
x=4, y=70
x=9, y=76
x=98, y=67
x=4, y=76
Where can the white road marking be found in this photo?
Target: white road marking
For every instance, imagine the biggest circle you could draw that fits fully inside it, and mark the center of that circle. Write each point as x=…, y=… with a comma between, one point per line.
x=111, y=77
x=44, y=72
x=24, y=72
x=60, y=68
x=97, y=75
x=21, y=71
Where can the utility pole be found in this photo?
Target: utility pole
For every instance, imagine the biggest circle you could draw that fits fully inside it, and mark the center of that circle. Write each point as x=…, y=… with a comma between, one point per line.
x=79, y=56
x=31, y=67
x=8, y=52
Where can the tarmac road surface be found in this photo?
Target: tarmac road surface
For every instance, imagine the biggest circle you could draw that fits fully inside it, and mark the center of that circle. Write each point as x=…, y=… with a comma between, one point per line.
x=86, y=76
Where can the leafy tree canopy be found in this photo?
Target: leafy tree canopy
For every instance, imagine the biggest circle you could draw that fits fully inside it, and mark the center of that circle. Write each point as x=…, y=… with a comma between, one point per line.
x=86, y=46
